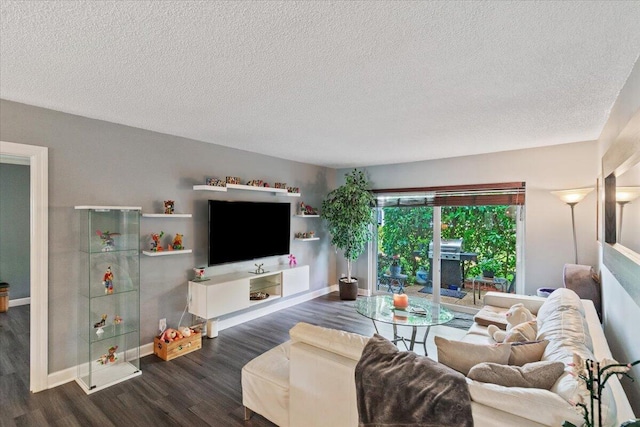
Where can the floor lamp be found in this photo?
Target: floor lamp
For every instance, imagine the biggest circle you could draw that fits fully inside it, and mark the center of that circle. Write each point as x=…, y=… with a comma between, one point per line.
x=572, y=198
x=625, y=195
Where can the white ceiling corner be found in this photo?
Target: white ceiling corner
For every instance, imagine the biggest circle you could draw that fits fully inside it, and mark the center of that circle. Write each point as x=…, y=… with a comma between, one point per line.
x=338, y=84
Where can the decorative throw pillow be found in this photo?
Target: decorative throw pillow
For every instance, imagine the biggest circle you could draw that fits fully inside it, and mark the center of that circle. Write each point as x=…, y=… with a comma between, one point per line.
x=462, y=356
x=526, y=352
x=532, y=375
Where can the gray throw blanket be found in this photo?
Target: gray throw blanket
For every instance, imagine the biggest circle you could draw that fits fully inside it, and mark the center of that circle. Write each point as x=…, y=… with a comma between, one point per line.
x=402, y=389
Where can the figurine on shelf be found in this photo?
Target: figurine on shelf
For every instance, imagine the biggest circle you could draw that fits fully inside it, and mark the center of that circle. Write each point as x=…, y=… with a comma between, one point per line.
x=110, y=357
x=177, y=242
x=282, y=185
x=199, y=271
x=107, y=281
x=259, y=268
x=256, y=183
x=102, y=322
x=155, y=241
x=117, y=320
x=216, y=182
x=169, y=206
x=108, y=244
x=294, y=190
x=292, y=260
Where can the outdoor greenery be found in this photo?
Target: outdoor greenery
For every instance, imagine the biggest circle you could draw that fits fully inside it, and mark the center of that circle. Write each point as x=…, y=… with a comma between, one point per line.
x=349, y=215
x=488, y=231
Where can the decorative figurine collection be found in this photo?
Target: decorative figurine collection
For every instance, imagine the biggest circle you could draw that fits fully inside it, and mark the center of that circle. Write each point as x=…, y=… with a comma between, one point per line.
x=107, y=281
x=215, y=182
x=103, y=321
x=307, y=209
x=156, y=243
x=169, y=206
x=108, y=244
x=110, y=357
x=307, y=235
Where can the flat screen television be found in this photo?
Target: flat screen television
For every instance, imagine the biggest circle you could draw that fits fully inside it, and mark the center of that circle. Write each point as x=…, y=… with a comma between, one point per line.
x=243, y=231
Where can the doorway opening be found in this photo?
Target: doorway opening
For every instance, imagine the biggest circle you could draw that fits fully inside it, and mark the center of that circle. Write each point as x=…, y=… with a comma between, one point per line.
x=37, y=158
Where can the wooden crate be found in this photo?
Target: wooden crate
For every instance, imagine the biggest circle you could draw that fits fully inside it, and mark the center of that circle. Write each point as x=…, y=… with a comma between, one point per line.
x=168, y=351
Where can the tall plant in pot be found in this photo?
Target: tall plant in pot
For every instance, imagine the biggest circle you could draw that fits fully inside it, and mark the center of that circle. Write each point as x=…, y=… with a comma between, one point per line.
x=349, y=215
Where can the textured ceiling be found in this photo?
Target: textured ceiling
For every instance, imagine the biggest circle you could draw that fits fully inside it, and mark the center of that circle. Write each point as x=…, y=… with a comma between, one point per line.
x=338, y=84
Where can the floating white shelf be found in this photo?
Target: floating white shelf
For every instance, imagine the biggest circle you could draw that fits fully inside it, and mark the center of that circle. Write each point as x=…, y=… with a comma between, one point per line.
x=166, y=252
x=152, y=215
x=252, y=188
x=276, y=191
x=209, y=188
x=109, y=208
x=308, y=239
x=308, y=216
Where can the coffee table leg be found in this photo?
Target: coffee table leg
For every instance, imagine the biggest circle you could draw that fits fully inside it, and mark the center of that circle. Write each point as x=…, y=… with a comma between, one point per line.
x=397, y=337
x=413, y=337
x=424, y=340
x=375, y=326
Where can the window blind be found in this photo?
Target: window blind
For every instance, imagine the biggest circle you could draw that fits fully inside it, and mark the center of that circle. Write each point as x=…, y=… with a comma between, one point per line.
x=506, y=193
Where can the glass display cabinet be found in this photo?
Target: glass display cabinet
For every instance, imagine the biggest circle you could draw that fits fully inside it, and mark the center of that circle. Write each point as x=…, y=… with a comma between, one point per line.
x=109, y=296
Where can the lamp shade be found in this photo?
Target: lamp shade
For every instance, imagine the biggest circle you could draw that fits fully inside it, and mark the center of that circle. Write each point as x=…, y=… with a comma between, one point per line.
x=572, y=197
x=627, y=194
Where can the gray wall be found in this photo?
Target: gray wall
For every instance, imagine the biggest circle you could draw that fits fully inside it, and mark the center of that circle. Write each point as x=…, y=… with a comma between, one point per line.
x=14, y=229
x=548, y=235
x=92, y=162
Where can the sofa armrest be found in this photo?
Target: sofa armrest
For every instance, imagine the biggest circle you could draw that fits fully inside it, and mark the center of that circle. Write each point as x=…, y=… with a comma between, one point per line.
x=499, y=299
x=322, y=389
x=346, y=344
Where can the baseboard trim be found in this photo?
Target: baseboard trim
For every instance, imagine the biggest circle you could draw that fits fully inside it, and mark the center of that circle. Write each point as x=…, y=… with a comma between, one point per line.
x=19, y=301
x=64, y=376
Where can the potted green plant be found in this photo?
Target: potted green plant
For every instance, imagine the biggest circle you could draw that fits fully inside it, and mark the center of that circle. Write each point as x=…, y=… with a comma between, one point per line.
x=349, y=215
x=489, y=267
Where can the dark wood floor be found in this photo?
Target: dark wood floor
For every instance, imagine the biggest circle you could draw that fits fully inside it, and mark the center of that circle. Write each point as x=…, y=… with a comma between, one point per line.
x=201, y=388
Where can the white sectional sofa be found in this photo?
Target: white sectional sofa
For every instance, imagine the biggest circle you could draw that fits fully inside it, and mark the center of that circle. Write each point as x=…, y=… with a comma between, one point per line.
x=309, y=380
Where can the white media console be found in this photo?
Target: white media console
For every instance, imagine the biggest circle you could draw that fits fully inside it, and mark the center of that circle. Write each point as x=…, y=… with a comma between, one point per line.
x=217, y=296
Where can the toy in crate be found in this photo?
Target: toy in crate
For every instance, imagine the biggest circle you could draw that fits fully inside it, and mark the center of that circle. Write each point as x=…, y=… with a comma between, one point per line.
x=174, y=343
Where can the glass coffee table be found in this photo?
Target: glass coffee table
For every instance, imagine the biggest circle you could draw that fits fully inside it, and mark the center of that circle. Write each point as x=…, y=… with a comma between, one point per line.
x=420, y=313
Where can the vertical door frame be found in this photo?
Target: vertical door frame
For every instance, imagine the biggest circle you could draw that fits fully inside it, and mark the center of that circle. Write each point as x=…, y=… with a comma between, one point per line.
x=39, y=257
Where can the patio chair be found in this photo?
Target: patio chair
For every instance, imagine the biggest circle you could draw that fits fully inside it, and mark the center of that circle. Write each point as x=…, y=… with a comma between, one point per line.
x=506, y=286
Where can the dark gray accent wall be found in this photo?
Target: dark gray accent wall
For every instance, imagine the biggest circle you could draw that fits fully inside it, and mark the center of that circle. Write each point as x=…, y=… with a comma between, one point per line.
x=14, y=229
x=92, y=162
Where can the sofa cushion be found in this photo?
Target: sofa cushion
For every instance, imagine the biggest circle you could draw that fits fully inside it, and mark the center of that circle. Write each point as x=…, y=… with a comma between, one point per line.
x=532, y=375
x=527, y=352
x=346, y=344
x=535, y=404
x=561, y=321
x=462, y=356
